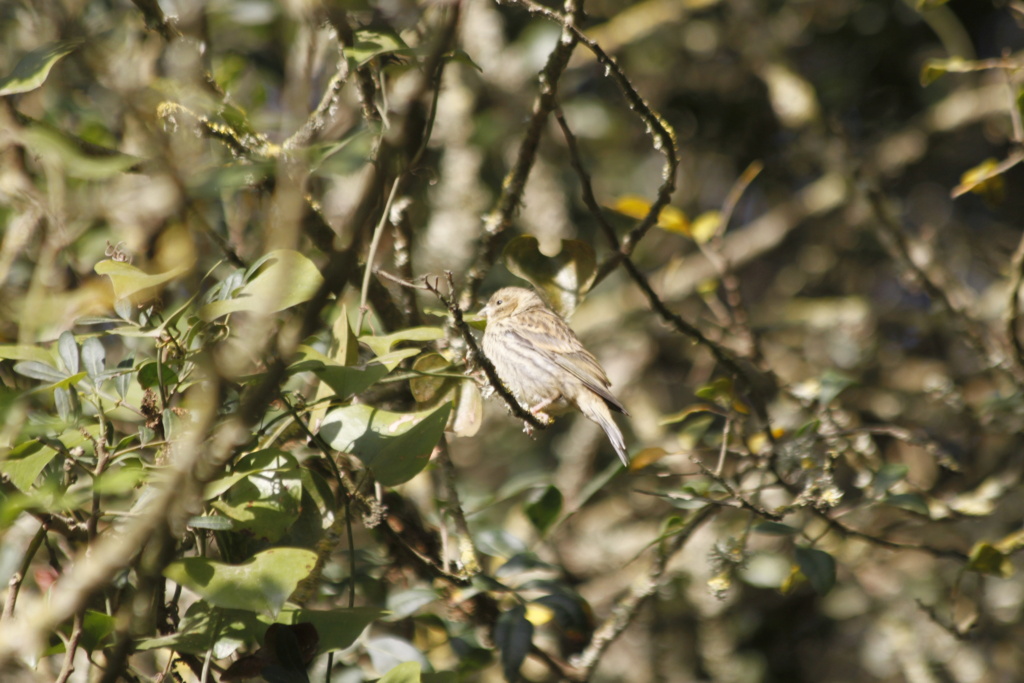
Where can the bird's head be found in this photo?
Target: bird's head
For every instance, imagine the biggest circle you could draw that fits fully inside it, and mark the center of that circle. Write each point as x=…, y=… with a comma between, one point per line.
x=508, y=301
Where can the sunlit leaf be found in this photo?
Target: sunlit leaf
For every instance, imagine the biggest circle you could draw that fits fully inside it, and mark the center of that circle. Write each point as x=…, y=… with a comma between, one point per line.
x=987, y=179
x=25, y=352
x=372, y=43
x=406, y=672
x=670, y=218
x=705, y=226
x=205, y=627
x=395, y=446
x=284, y=278
x=985, y=558
x=23, y=464
x=262, y=584
x=387, y=652
x=337, y=628
x=343, y=380
x=263, y=504
x=382, y=345
x=129, y=281
x=32, y=69
x=562, y=279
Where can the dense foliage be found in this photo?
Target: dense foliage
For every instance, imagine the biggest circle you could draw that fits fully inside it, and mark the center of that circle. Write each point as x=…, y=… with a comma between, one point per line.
x=245, y=427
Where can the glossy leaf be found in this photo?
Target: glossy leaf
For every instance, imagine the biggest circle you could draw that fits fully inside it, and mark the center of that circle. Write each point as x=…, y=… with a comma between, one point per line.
x=406, y=672
x=543, y=508
x=513, y=634
x=382, y=345
x=262, y=584
x=129, y=281
x=32, y=69
x=395, y=446
x=343, y=380
x=562, y=279
x=283, y=278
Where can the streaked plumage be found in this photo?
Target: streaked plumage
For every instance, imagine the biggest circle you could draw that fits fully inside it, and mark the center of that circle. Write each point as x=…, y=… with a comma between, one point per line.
x=541, y=361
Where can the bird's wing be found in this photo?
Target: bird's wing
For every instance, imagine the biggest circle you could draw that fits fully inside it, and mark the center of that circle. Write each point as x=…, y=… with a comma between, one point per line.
x=557, y=342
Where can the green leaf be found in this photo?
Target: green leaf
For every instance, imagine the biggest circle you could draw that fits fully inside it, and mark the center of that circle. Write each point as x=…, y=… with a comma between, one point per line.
x=818, y=566
x=832, y=384
x=76, y=158
x=284, y=278
x=205, y=627
x=563, y=279
x=153, y=374
x=121, y=479
x=775, y=529
x=395, y=446
x=888, y=475
x=406, y=672
x=370, y=43
x=26, y=352
x=499, y=543
x=262, y=584
x=67, y=349
x=41, y=371
x=513, y=635
x=23, y=464
x=985, y=558
x=405, y=603
x=32, y=69
x=94, y=357
x=543, y=508
x=338, y=628
x=914, y=502
x=343, y=380
x=129, y=281
x=263, y=504
x=381, y=346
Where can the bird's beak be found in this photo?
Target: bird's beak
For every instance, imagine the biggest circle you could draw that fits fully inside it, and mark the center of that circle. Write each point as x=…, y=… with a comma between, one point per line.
x=485, y=312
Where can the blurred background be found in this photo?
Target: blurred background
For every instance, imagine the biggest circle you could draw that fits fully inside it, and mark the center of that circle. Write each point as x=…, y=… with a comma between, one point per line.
x=844, y=224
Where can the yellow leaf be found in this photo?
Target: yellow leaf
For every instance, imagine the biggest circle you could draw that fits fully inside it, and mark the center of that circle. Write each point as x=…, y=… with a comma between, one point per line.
x=705, y=226
x=538, y=614
x=985, y=558
x=647, y=456
x=986, y=180
x=791, y=582
x=670, y=218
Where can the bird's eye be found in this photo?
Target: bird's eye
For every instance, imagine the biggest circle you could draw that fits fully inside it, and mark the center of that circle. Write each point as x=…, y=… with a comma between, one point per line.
x=499, y=302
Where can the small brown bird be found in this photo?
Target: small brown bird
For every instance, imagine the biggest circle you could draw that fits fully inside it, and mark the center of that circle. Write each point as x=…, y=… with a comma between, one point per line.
x=540, y=360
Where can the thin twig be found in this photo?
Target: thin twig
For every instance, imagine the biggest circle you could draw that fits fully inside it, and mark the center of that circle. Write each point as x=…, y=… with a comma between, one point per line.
x=469, y=556
x=14, y=585
x=371, y=255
